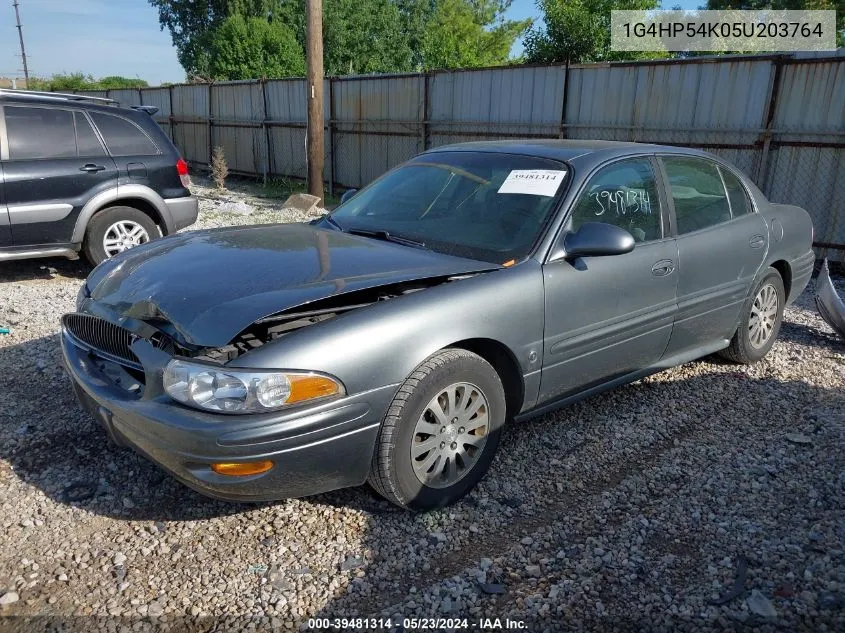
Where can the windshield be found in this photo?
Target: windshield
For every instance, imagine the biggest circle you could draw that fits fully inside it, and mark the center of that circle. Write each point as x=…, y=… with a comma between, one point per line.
x=482, y=205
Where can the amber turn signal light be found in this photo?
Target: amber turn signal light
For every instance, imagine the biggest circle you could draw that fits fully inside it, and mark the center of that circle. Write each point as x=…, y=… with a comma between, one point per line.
x=242, y=469
x=309, y=387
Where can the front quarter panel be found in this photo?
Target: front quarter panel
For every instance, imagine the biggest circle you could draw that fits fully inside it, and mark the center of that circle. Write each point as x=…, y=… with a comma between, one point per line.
x=383, y=343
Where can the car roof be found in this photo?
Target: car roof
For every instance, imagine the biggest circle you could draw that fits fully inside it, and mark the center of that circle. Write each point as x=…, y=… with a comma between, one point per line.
x=567, y=150
x=60, y=99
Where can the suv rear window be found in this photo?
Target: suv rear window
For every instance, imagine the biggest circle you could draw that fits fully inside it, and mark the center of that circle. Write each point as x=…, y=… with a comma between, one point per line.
x=39, y=133
x=122, y=137
x=86, y=140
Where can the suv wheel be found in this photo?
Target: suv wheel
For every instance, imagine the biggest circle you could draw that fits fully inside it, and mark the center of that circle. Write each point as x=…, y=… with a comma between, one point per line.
x=116, y=229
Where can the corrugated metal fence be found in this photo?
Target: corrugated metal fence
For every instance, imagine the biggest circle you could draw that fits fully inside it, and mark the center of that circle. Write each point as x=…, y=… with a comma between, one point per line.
x=780, y=118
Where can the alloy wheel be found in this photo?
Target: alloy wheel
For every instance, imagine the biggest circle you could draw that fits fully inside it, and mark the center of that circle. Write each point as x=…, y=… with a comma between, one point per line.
x=450, y=435
x=764, y=313
x=124, y=235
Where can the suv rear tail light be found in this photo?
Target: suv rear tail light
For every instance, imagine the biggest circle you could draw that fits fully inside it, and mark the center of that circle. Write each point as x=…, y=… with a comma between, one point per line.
x=182, y=170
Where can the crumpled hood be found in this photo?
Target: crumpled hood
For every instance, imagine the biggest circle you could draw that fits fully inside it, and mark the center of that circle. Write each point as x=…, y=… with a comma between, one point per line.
x=211, y=285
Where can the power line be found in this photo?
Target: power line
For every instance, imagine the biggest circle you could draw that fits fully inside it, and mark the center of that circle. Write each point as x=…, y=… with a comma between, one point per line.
x=20, y=35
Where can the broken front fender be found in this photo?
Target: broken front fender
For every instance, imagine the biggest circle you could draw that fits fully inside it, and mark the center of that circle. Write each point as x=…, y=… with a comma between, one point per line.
x=829, y=304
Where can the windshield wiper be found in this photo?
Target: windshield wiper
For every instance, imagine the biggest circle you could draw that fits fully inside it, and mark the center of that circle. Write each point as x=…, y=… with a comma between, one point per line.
x=328, y=218
x=387, y=237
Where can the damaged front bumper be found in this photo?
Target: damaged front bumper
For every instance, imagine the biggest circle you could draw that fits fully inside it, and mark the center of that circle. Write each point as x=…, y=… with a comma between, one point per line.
x=828, y=303
x=313, y=449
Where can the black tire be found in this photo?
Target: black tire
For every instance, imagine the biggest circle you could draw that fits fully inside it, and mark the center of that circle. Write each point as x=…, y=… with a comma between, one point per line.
x=102, y=220
x=392, y=473
x=742, y=350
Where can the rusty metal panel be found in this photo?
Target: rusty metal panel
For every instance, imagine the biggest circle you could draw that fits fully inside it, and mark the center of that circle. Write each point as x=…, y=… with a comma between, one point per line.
x=811, y=100
x=103, y=94
x=190, y=101
x=190, y=108
x=378, y=124
x=288, y=151
x=243, y=147
x=191, y=139
x=496, y=103
x=237, y=101
x=126, y=97
x=286, y=100
x=238, y=109
x=713, y=102
x=811, y=177
x=287, y=116
x=160, y=98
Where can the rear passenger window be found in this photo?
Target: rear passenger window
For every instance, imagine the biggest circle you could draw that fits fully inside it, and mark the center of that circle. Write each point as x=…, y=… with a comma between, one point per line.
x=39, y=133
x=123, y=138
x=87, y=142
x=698, y=193
x=736, y=194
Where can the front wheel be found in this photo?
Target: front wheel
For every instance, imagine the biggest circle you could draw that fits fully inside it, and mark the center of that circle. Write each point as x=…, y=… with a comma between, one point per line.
x=760, y=323
x=441, y=431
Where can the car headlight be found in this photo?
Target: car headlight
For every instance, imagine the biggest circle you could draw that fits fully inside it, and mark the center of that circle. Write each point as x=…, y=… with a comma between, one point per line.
x=234, y=390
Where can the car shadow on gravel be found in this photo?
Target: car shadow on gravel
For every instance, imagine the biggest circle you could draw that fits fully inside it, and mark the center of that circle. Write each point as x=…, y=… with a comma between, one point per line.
x=46, y=268
x=809, y=335
x=51, y=443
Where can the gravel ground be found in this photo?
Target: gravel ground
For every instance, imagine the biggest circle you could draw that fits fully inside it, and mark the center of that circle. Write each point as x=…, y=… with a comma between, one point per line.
x=638, y=509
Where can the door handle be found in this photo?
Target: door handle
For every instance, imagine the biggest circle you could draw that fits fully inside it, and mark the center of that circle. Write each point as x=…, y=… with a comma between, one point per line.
x=91, y=168
x=663, y=267
x=757, y=241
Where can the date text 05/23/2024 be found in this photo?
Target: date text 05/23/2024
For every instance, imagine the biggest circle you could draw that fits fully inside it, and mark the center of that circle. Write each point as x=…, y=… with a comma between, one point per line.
x=417, y=624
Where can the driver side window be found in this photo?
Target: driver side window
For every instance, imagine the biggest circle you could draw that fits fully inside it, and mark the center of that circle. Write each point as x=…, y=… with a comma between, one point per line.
x=623, y=194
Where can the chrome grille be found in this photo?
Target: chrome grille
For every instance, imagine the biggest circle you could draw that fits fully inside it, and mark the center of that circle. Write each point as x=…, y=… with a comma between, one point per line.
x=103, y=337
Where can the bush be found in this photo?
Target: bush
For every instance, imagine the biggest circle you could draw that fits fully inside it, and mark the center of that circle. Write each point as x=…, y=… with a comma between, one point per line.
x=219, y=169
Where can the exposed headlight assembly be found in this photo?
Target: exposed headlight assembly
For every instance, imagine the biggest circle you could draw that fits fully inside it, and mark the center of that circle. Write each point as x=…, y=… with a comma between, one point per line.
x=233, y=390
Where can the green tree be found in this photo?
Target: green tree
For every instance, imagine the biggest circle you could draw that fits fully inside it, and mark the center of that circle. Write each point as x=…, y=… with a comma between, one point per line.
x=114, y=82
x=466, y=34
x=359, y=36
x=248, y=48
x=364, y=36
x=579, y=31
x=68, y=82
x=192, y=22
x=415, y=16
x=783, y=5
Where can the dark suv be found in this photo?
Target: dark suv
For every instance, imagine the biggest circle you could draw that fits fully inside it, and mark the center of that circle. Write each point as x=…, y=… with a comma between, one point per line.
x=82, y=173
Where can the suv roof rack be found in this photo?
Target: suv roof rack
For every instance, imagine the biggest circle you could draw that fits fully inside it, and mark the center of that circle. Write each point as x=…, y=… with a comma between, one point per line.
x=57, y=95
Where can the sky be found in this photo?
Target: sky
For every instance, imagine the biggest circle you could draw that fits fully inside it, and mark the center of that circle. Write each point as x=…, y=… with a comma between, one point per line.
x=116, y=37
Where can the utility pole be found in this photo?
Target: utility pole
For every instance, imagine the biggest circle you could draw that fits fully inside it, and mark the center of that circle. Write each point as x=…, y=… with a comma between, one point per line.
x=20, y=35
x=314, y=93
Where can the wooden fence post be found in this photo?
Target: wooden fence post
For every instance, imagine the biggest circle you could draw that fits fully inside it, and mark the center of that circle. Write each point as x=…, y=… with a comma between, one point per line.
x=768, y=119
x=265, y=129
x=210, y=125
x=330, y=130
x=424, y=140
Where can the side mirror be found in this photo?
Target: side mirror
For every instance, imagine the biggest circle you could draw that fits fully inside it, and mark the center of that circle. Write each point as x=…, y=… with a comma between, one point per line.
x=347, y=195
x=595, y=239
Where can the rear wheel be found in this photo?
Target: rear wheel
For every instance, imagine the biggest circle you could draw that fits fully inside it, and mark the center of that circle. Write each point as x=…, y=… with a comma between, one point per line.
x=761, y=319
x=441, y=431
x=116, y=229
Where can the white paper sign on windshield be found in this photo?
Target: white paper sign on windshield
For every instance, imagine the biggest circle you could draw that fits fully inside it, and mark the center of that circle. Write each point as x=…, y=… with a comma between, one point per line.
x=538, y=182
